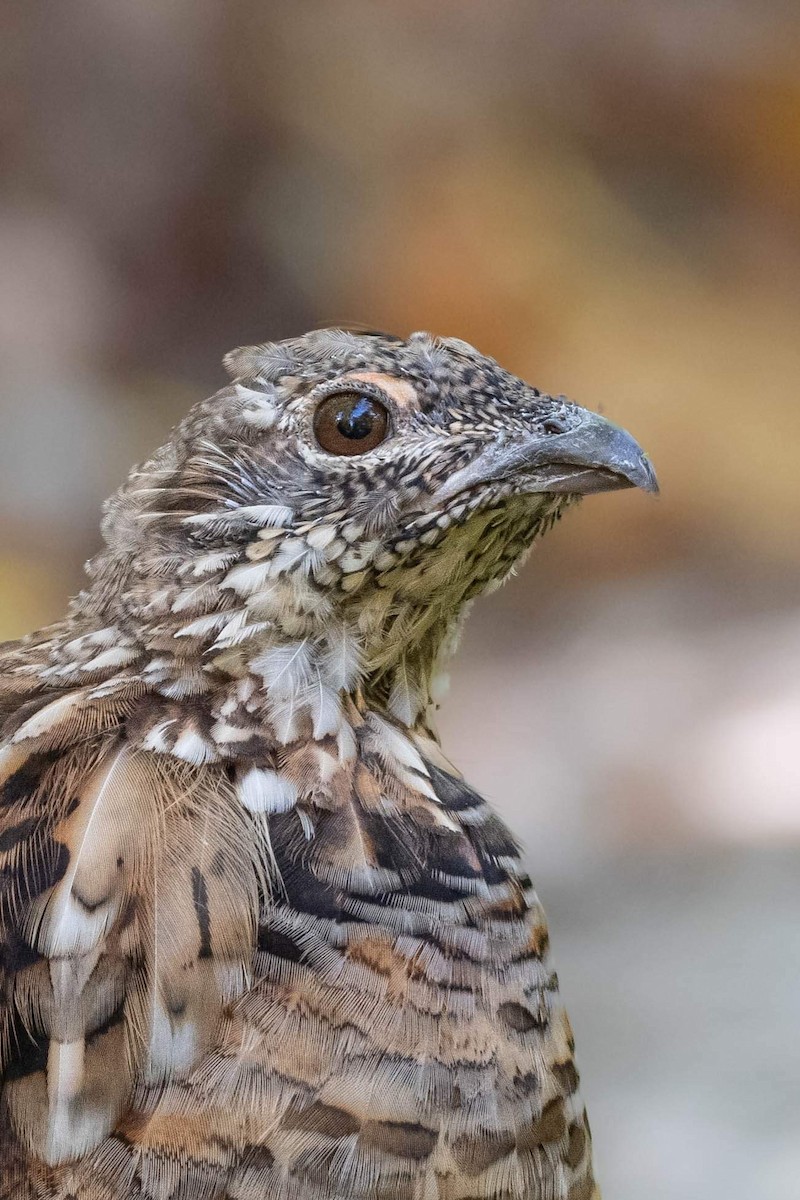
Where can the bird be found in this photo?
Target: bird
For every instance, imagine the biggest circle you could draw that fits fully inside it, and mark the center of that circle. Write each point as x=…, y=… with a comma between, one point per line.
x=258, y=935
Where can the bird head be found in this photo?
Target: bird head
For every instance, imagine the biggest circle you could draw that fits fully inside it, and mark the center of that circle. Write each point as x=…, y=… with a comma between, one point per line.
x=347, y=483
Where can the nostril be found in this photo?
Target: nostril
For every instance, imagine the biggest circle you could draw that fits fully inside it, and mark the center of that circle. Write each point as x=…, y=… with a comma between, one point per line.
x=554, y=425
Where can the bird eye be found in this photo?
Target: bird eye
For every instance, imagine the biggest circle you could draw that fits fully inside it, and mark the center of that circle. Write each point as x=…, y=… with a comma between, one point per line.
x=350, y=423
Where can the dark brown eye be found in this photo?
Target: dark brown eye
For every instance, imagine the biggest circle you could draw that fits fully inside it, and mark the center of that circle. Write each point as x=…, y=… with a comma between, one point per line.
x=350, y=423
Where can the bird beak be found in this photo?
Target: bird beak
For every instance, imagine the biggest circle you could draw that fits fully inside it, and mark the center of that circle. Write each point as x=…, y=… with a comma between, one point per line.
x=593, y=455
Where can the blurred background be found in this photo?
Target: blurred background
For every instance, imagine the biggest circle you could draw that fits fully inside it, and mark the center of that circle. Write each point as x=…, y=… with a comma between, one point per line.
x=606, y=197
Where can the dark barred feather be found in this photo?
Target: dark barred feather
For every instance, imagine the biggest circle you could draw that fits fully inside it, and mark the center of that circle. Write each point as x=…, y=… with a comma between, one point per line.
x=349, y=998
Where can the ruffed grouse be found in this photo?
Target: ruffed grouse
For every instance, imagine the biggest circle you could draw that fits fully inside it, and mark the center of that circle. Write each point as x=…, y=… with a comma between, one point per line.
x=259, y=937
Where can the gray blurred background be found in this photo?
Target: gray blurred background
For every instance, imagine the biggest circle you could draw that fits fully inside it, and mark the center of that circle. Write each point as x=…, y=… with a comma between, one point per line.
x=606, y=197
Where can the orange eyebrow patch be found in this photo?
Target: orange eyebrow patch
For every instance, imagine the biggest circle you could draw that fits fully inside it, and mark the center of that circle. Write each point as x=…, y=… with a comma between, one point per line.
x=401, y=391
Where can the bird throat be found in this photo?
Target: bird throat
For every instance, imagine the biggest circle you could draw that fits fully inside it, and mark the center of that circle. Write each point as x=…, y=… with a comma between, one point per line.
x=281, y=635
x=398, y=622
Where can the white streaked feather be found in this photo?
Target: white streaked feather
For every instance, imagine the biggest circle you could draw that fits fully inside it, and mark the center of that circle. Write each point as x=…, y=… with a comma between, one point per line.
x=326, y=709
x=247, y=579
x=307, y=823
x=253, y=514
x=174, y=1047
x=202, y=626
x=328, y=765
x=50, y=716
x=293, y=553
x=178, y=1009
x=284, y=716
x=216, y=561
x=155, y=739
x=287, y=670
x=193, y=748
x=190, y=683
x=261, y=416
x=231, y=625
x=68, y=978
x=100, y=638
x=108, y=826
x=320, y=536
x=346, y=743
x=342, y=662
x=202, y=591
x=225, y=734
x=64, y=1070
x=75, y=1122
x=120, y=686
x=251, y=396
x=405, y=701
x=238, y=631
x=398, y=754
x=261, y=789
x=117, y=656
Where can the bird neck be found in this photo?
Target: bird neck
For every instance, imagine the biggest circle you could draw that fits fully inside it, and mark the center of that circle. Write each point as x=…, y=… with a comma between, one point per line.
x=304, y=685
x=294, y=634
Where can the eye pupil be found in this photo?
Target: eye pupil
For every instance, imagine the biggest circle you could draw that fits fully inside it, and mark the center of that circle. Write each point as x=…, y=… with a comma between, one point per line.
x=356, y=420
x=348, y=423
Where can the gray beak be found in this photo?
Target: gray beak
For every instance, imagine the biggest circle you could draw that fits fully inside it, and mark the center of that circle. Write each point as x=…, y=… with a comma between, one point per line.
x=592, y=455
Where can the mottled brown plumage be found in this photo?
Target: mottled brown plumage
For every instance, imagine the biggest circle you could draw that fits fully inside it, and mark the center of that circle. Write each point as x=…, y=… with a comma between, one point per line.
x=259, y=937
